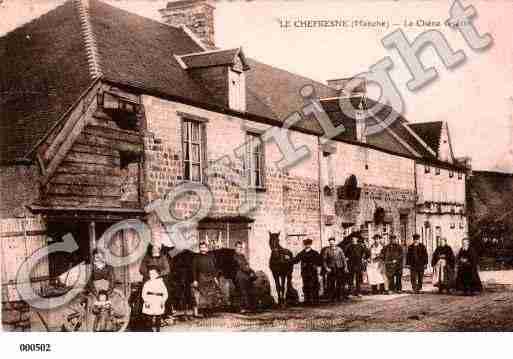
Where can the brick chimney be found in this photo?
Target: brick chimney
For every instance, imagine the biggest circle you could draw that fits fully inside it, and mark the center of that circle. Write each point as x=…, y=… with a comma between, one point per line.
x=196, y=15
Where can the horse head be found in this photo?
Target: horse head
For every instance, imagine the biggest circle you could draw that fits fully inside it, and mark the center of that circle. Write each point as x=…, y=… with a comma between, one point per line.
x=274, y=240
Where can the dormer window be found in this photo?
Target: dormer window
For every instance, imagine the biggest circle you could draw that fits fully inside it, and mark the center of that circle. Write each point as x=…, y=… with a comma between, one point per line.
x=221, y=72
x=237, y=90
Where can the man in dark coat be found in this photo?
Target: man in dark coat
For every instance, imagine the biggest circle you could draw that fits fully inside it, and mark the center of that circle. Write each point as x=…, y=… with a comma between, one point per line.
x=335, y=265
x=417, y=260
x=468, y=276
x=443, y=266
x=393, y=259
x=356, y=255
x=244, y=280
x=310, y=262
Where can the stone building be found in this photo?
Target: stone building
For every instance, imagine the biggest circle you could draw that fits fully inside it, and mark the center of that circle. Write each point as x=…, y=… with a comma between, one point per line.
x=108, y=112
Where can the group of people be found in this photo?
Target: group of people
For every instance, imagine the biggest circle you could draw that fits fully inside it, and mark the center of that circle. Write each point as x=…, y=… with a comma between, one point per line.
x=342, y=270
x=206, y=287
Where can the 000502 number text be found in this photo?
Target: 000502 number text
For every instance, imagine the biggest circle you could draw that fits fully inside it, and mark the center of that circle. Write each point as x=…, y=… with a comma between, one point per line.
x=35, y=348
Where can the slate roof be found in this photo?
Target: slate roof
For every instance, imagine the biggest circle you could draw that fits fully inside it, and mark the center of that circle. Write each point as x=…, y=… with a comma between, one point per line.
x=430, y=132
x=137, y=52
x=43, y=70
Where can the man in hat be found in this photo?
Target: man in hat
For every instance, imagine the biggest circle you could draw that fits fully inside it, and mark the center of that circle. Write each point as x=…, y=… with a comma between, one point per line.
x=335, y=265
x=310, y=262
x=244, y=280
x=356, y=254
x=416, y=260
x=393, y=259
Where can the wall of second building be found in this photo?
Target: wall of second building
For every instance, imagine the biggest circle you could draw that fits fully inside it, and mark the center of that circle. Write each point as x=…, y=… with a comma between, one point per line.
x=288, y=204
x=441, y=207
x=384, y=180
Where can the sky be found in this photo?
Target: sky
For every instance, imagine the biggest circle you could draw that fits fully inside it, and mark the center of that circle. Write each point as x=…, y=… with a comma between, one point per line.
x=475, y=98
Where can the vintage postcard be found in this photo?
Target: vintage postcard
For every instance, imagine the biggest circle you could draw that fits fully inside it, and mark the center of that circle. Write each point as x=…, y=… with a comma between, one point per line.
x=292, y=166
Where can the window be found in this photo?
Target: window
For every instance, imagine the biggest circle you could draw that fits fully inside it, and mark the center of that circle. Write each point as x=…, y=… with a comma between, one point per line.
x=451, y=174
x=437, y=171
x=460, y=175
x=193, y=135
x=237, y=91
x=426, y=169
x=254, y=164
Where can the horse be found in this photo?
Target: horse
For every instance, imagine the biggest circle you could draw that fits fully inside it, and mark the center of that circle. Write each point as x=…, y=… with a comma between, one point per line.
x=180, y=278
x=281, y=267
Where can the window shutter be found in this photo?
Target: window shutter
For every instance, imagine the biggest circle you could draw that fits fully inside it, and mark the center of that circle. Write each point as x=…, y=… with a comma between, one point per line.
x=263, y=169
x=204, y=153
x=247, y=159
x=183, y=124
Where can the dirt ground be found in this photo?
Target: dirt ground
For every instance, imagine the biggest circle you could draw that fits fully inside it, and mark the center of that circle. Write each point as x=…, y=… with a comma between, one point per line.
x=489, y=311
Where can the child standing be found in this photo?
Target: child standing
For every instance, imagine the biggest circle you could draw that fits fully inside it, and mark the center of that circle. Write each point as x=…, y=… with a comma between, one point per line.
x=102, y=310
x=154, y=296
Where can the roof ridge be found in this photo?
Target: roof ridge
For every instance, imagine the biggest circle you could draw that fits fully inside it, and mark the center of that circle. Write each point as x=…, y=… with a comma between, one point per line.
x=86, y=28
x=304, y=77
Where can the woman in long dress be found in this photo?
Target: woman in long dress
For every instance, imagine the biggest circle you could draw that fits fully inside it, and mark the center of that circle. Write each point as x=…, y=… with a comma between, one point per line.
x=467, y=278
x=443, y=266
x=375, y=266
x=205, y=286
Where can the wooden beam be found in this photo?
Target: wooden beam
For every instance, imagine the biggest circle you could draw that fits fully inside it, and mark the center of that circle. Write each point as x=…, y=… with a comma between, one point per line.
x=86, y=191
x=92, y=238
x=114, y=134
x=76, y=201
x=86, y=179
x=68, y=167
x=64, y=141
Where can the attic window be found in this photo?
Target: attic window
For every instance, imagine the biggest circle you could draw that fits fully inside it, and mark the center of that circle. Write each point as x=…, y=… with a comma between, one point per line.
x=237, y=90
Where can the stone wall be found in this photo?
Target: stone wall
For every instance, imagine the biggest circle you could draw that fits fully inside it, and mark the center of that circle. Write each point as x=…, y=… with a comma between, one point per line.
x=384, y=181
x=289, y=204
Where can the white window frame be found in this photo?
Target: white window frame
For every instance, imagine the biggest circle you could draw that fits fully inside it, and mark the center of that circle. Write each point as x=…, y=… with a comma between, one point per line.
x=187, y=148
x=253, y=174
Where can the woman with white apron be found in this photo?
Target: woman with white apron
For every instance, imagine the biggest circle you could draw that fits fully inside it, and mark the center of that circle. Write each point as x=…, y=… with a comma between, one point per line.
x=375, y=268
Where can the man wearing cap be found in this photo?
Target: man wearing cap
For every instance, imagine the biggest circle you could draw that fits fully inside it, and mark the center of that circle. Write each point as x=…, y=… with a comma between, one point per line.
x=393, y=259
x=310, y=262
x=335, y=264
x=356, y=254
x=416, y=260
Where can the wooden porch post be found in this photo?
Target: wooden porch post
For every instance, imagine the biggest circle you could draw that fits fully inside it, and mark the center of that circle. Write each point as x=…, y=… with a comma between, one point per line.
x=92, y=239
